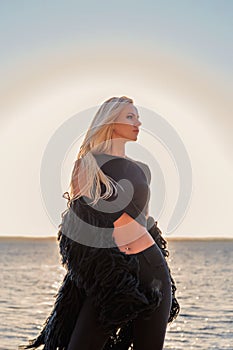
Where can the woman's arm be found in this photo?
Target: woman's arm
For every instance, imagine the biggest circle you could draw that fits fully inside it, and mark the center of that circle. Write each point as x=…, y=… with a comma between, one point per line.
x=127, y=230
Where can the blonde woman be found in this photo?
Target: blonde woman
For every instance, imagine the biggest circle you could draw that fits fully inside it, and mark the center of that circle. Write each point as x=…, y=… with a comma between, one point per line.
x=118, y=292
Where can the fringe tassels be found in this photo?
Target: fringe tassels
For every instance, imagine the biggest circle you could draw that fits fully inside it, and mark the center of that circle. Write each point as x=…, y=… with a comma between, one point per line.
x=112, y=278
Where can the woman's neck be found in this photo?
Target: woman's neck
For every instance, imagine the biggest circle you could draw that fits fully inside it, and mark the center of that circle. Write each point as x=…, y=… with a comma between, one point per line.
x=118, y=147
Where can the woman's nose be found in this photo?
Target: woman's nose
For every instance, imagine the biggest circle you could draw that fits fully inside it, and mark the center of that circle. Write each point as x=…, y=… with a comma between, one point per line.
x=138, y=123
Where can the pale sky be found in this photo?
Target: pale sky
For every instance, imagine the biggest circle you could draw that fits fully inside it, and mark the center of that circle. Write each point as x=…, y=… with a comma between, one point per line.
x=61, y=58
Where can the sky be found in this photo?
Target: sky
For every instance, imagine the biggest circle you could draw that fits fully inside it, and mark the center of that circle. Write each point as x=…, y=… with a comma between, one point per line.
x=61, y=59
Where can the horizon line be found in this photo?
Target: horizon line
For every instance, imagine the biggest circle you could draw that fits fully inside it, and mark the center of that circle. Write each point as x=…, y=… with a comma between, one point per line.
x=175, y=238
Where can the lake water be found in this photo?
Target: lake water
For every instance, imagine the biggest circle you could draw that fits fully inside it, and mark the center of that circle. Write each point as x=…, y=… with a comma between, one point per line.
x=31, y=274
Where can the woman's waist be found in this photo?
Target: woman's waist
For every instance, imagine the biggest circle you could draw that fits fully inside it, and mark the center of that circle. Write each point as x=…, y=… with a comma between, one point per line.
x=133, y=243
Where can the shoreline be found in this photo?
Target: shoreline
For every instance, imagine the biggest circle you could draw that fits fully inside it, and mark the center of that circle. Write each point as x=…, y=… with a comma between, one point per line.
x=54, y=238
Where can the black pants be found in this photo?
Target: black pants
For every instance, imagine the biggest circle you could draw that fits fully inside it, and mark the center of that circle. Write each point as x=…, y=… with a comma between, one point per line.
x=147, y=334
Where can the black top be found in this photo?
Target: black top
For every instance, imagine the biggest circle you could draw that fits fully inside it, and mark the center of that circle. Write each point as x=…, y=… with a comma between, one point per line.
x=132, y=179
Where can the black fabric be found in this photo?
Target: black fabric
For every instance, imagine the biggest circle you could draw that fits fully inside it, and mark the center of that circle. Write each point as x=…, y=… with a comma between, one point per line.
x=146, y=334
x=87, y=335
x=115, y=280
x=96, y=268
x=133, y=191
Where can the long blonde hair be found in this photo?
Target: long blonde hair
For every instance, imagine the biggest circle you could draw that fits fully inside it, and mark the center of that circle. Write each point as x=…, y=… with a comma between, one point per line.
x=98, y=139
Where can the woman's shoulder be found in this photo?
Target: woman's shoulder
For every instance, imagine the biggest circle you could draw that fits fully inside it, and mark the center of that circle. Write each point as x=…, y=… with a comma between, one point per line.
x=104, y=158
x=146, y=170
x=126, y=166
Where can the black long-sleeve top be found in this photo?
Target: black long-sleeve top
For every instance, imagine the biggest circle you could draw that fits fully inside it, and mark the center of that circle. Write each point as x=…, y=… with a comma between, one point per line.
x=132, y=179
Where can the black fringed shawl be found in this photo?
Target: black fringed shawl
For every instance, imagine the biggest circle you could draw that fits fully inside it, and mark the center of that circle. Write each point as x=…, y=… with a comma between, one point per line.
x=105, y=273
x=117, y=295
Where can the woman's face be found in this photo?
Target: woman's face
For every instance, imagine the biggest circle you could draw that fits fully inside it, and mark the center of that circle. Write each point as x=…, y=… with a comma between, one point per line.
x=127, y=124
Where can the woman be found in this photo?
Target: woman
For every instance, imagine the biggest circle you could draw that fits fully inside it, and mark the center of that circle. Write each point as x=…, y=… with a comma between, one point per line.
x=118, y=292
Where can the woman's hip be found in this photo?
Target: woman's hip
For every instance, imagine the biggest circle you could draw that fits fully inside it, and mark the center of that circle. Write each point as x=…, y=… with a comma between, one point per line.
x=153, y=266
